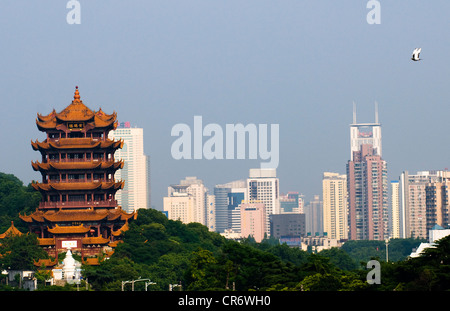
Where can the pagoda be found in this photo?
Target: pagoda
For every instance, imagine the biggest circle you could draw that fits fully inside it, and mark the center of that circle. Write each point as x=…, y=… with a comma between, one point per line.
x=78, y=210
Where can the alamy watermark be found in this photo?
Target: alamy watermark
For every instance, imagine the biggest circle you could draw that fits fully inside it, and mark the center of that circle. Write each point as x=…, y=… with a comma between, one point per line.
x=237, y=141
x=374, y=275
x=74, y=15
x=374, y=15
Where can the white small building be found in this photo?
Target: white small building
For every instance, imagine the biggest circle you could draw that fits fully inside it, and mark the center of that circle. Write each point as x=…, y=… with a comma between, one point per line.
x=435, y=234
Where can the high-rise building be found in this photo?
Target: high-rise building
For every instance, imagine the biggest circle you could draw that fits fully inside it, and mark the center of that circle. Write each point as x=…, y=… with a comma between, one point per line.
x=263, y=186
x=253, y=220
x=203, y=204
x=335, y=210
x=395, y=210
x=292, y=202
x=367, y=183
x=179, y=205
x=413, y=202
x=136, y=192
x=438, y=202
x=228, y=197
x=367, y=196
x=314, y=217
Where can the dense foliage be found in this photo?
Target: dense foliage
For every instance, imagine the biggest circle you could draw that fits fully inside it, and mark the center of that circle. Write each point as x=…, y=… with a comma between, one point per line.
x=15, y=198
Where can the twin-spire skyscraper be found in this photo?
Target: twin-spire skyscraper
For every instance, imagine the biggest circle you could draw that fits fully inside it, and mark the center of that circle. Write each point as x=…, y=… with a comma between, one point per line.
x=367, y=184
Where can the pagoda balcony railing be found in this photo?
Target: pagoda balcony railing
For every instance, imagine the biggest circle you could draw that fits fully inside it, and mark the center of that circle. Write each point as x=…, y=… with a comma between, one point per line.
x=72, y=204
x=80, y=180
x=76, y=160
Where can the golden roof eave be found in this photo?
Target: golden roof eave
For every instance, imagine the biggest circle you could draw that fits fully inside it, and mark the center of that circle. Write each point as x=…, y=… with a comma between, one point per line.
x=100, y=185
x=11, y=231
x=76, y=143
x=68, y=229
x=38, y=166
x=78, y=215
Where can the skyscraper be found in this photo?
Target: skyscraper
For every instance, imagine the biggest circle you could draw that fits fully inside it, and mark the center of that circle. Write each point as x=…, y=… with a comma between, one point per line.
x=438, y=202
x=335, y=222
x=413, y=202
x=263, y=186
x=201, y=205
x=314, y=216
x=367, y=183
x=395, y=210
x=136, y=192
x=227, y=198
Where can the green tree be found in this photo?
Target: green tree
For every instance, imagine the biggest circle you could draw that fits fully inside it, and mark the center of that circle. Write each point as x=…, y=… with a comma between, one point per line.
x=15, y=198
x=20, y=252
x=201, y=274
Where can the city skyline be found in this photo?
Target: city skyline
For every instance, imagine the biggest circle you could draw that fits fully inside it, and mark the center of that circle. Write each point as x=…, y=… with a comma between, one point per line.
x=158, y=65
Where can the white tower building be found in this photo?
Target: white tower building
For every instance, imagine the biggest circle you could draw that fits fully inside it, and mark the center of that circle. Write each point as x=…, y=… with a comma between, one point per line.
x=135, y=194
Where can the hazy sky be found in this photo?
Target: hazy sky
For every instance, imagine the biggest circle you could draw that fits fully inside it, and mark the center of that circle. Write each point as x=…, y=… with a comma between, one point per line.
x=299, y=64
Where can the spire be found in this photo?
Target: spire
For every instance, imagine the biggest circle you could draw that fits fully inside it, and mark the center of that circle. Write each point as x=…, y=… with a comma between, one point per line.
x=354, y=113
x=77, y=94
x=376, y=112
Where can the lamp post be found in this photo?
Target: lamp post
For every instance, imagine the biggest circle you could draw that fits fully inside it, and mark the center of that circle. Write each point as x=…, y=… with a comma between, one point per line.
x=133, y=281
x=149, y=283
x=387, y=249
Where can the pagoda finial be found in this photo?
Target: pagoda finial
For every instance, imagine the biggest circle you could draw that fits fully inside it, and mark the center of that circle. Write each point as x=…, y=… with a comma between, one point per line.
x=77, y=94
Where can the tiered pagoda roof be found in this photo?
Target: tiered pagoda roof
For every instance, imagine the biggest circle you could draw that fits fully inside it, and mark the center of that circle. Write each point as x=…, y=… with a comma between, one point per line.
x=76, y=143
x=49, y=166
x=79, y=112
x=99, y=185
x=67, y=215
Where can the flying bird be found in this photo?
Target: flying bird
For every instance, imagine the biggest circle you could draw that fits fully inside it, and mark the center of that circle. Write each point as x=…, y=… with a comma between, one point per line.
x=416, y=53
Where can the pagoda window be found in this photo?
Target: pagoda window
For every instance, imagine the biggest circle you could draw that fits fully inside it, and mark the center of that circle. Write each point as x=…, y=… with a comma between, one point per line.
x=54, y=198
x=89, y=197
x=99, y=176
x=88, y=156
x=97, y=135
x=76, y=197
x=63, y=198
x=98, y=156
x=53, y=135
x=54, y=178
x=99, y=197
x=76, y=135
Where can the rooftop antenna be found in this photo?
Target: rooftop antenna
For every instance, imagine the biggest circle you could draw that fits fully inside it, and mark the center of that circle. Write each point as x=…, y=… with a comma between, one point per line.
x=354, y=113
x=376, y=112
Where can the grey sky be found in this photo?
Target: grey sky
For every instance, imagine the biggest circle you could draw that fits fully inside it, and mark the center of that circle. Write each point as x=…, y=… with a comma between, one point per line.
x=299, y=63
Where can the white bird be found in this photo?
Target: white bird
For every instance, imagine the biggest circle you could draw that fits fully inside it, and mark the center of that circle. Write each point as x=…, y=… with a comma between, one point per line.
x=416, y=53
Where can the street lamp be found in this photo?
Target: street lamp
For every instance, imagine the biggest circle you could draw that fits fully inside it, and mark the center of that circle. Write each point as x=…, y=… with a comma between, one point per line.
x=133, y=281
x=149, y=283
x=387, y=249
